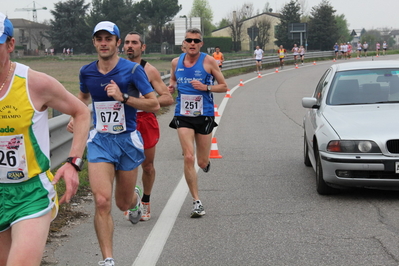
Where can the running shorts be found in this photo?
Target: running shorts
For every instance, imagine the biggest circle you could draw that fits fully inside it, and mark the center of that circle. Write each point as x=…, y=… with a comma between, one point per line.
x=124, y=150
x=147, y=125
x=27, y=200
x=201, y=124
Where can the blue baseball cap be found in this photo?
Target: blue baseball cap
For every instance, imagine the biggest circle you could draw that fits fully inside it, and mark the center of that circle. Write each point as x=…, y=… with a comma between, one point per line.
x=108, y=26
x=6, y=28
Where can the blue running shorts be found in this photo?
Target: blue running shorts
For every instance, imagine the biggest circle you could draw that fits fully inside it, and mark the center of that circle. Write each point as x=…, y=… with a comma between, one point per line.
x=124, y=150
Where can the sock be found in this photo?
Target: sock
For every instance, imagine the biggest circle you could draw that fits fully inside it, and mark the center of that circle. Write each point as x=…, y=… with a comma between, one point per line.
x=146, y=198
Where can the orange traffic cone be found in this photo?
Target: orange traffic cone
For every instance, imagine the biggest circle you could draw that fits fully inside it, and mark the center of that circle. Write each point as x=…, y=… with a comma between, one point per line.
x=228, y=95
x=296, y=65
x=334, y=60
x=241, y=83
x=214, y=154
x=215, y=108
x=276, y=70
x=314, y=62
x=259, y=75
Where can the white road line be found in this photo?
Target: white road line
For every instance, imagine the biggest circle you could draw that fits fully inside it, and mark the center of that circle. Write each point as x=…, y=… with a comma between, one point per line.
x=153, y=246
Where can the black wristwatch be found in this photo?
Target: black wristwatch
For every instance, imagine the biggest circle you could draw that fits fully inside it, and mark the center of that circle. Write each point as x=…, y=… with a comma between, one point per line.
x=125, y=97
x=76, y=162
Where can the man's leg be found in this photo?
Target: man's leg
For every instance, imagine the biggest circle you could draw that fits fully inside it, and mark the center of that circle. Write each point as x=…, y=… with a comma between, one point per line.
x=148, y=176
x=101, y=176
x=186, y=137
x=203, y=144
x=27, y=239
x=148, y=179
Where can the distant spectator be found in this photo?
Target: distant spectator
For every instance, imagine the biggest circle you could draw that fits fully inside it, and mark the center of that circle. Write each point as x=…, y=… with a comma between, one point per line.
x=377, y=48
x=336, y=48
x=365, y=47
x=281, y=55
x=218, y=56
x=295, y=51
x=359, y=49
x=258, y=53
x=302, y=53
x=384, y=47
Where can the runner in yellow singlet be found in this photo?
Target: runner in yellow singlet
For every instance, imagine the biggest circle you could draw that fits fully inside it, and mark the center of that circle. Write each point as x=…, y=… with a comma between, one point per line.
x=29, y=200
x=281, y=55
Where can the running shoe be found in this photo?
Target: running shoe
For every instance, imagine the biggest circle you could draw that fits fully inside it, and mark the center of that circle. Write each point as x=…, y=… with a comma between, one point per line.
x=146, y=215
x=107, y=262
x=207, y=168
x=134, y=215
x=198, y=209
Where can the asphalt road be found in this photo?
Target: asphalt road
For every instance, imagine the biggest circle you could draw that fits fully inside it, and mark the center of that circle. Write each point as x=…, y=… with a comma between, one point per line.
x=261, y=203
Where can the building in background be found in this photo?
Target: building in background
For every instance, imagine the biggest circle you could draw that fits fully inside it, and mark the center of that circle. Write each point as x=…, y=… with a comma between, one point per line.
x=29, y=38
x=248, y=28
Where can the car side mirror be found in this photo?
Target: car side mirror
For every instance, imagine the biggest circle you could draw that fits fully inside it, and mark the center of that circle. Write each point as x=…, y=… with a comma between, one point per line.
x=310, y=102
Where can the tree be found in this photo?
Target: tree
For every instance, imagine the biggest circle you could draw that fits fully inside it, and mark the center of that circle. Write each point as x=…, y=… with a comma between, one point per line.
x=236, y=19
x=342, y=29
x=289, y=14
x=371, y=37
x=124, y=13
x=323, y=31
x=202, y=9
x=224, y=23
x=264, y=26
x=67, y=29
x=157, y=13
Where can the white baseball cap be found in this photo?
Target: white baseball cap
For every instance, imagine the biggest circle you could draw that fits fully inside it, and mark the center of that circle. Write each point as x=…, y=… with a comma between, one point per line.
x=6, y=28
x=107, y=26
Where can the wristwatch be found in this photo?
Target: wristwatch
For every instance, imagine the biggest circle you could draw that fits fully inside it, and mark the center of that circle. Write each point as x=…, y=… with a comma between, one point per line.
x=209, y=88
x=125, y=97
x=76, y=162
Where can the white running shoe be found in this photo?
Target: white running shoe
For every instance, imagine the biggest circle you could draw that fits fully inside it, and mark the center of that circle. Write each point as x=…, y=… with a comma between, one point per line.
x=107, y=262
x=198, y=209
x=146, y=215
x=134, y=215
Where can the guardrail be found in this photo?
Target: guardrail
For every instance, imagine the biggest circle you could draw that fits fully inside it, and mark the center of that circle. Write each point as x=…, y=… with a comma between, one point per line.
x=61, y=139
x=272, y=60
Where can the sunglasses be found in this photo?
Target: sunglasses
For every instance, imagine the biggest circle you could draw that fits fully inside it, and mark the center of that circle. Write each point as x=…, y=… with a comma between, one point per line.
x=189, y=40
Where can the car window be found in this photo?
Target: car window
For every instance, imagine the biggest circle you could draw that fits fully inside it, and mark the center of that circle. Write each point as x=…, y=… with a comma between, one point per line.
x=367, y=86
x=320, y=89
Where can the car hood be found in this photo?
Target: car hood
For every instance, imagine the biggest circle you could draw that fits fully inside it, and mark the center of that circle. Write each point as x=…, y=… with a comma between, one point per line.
x=372, y=122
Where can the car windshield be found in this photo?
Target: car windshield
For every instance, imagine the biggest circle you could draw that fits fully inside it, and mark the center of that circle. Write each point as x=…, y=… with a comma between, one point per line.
x=367, y=86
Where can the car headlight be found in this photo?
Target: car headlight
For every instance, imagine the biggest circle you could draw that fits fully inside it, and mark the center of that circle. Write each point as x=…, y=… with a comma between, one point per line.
x=353, y=146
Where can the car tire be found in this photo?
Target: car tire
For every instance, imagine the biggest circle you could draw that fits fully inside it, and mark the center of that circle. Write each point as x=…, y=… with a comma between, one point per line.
x=306, y=159
x=321, y=185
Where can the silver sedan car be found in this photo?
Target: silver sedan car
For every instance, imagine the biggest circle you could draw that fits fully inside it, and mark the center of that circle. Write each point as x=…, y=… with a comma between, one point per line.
x=351, y=127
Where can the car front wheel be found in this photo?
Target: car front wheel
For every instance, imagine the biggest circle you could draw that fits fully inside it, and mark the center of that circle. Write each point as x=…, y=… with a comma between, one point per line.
x=321, y=185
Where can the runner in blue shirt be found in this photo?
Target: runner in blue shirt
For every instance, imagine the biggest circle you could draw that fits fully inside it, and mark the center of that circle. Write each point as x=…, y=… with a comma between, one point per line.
x=115, y=147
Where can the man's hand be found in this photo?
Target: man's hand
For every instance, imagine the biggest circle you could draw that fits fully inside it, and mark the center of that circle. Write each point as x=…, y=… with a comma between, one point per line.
x=171, y=88
x=71, y=178
x=70, y=126
x=198, y=85
x=113, y=91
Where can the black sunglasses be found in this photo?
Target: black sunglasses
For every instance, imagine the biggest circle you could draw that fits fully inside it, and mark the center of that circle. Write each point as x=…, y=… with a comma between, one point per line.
x=189, y=40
